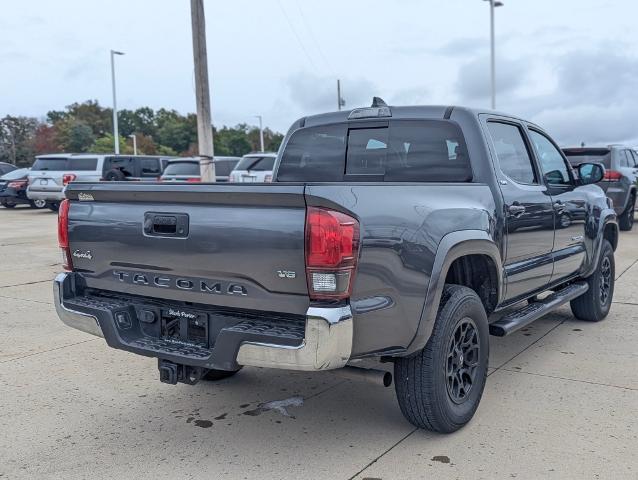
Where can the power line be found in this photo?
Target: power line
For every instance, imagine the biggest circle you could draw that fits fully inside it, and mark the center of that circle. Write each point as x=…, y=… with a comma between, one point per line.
x=294, y=31
x=313, y=38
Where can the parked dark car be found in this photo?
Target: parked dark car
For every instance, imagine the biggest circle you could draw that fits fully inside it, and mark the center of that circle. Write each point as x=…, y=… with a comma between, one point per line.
x=385, y=236
x=13, y=189
x=6, y=168
x=619, y=182
x=187, y=169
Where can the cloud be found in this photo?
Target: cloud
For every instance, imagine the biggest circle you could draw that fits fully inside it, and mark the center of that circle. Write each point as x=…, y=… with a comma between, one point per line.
x=473, y=81
x=314, y=94
x=464, y=47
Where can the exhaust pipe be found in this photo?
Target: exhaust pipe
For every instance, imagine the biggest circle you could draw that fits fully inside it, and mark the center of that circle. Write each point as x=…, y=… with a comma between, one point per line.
x=370, y=375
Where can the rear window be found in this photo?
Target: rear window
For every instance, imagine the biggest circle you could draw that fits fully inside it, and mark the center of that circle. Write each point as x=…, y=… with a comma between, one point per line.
x=15, y=174
x=259, y=164
x=401, y=151
x=224, y=167
x=578, y=156
x=82, y=164
x=182, y=168
x=54, y=164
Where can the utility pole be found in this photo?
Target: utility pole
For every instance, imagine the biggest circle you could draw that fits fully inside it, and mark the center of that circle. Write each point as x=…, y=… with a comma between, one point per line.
x=116, y=137
x=261, y=133
x=340, y=101
x=202, y=93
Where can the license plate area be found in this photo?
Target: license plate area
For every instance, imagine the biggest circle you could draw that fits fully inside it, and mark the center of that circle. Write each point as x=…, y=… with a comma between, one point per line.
x=187, y=326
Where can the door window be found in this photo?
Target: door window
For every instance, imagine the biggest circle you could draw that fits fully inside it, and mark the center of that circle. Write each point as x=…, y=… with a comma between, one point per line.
x=150, y=167
x=628, y=160
x=554, y=168
x=511, y=152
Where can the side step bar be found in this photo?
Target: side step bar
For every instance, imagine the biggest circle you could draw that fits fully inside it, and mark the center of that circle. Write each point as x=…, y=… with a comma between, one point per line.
x=523, y=317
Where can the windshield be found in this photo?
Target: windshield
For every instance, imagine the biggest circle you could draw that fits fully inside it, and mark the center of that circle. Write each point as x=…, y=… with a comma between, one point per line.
x=182, y=168
x=16, y=174
x=55, y=164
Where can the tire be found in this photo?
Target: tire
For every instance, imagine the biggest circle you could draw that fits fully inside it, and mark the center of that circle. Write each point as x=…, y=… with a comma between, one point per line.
x=8, y=205
x=626, y=220
x=114, y=176
x=423, y=381
x=54, y=207
x=213, y=375
x=594, y=305
x=37, y=204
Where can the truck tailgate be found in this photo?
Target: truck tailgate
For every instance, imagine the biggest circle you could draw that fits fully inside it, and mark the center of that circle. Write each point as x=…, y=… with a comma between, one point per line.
x=239, y=246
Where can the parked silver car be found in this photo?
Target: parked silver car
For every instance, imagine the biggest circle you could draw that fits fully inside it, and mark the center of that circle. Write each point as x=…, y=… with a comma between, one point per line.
x=187, y=169
x=619, y=183
x=51, y=173
x=254, y=168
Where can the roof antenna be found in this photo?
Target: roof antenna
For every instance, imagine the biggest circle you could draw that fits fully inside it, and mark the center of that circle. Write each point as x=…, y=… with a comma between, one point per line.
x=378, y=102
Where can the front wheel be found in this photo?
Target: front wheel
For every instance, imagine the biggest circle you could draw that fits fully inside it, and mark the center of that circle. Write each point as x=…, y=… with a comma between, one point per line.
x=594, y=304
x=440, y=387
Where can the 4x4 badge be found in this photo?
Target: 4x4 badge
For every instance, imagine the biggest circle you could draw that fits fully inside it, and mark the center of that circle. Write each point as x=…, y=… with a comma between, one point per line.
x=80, y=254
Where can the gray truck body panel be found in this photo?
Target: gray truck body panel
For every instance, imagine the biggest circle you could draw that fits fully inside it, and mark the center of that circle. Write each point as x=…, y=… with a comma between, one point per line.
x=240, y=236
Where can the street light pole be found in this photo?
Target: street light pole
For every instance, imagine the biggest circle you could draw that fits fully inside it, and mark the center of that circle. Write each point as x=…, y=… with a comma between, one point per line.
x=261, y=133
x=116, y=138
x=493, y=5
x=134, y=137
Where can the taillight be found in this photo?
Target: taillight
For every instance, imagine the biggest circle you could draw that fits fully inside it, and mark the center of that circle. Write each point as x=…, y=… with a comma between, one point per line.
x=332, y=248
x=612, y=176
x=63, y=235
x=68, y=178
x=18, y=184
x=268, y=178
x=194, y=180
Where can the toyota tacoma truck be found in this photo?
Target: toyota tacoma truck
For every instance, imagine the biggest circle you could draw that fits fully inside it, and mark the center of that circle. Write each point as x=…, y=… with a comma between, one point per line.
x=403, y=235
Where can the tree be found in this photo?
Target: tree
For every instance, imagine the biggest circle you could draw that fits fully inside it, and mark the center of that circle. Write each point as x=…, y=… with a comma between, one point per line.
x=16, y=139
x=74, y=135
x=232, y=141
x=105, y=144
x=45, y=140
x=98, y=118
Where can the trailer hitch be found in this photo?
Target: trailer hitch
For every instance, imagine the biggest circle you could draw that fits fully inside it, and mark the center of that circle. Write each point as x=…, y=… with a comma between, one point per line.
x=172, y=373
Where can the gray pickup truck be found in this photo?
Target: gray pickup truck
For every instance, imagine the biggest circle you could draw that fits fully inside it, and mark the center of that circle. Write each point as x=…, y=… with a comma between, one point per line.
x=402, y=234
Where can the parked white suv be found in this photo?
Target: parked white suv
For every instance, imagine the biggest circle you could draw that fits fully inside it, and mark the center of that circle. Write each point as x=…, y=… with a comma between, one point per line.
x=51, y=173
x=254, y=167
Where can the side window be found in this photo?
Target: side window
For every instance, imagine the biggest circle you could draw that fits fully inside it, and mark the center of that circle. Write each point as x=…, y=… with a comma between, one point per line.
x=628, y=161
x=635, y=157
x=554, y=167
x=124, y=164
x=511, y=152
x=150, y=167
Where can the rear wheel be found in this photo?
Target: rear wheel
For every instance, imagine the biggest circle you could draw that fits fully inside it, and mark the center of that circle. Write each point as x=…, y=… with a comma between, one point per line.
x=594, y=305
x=8, y=204
x=213, y=375
x=626, y=220
x=37, y=204
x=115, y=175
x=440, y=387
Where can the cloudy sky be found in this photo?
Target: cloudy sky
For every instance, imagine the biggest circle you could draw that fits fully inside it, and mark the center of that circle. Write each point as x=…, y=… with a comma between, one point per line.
x=569, y=65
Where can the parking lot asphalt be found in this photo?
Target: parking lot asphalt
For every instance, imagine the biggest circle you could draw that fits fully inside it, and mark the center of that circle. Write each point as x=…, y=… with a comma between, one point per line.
x=561, y=400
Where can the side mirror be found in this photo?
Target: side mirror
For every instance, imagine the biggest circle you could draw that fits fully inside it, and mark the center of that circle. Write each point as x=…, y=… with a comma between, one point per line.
x=590, y=173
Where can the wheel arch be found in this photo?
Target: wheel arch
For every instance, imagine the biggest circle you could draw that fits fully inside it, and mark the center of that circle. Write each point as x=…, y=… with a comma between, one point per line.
x=455, y=252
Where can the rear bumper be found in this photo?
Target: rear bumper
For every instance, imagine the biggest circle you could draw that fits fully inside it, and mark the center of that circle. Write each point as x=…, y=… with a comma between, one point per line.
x=46, y=195
x=326, y=342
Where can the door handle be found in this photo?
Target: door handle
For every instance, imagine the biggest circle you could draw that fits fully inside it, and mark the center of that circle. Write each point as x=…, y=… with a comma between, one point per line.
x=516, y=210
x=559, y=207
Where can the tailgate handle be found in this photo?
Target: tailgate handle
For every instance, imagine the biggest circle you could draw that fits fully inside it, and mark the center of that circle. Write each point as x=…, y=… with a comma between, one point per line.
x=166, y=224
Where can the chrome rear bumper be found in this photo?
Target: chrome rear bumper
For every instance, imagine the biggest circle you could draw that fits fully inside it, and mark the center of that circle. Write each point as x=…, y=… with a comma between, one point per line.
x=327, y=341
